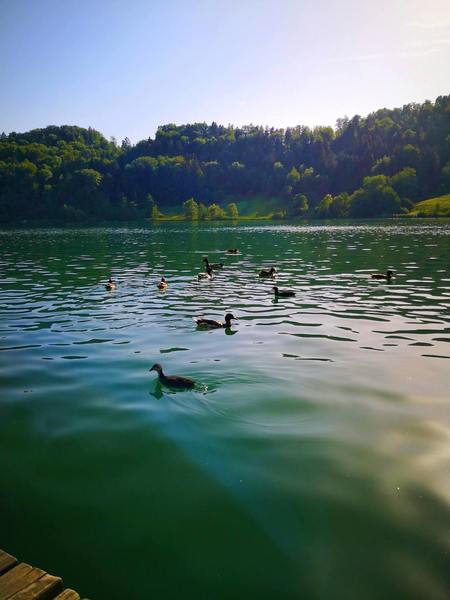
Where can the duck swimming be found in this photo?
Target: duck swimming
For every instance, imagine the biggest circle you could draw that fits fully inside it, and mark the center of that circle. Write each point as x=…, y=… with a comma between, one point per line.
x=282, y=293
x=212, y=324
x=162, y=285
x=233, y=250
x=111, y=284
x=388, y=275
x=212, y=265
x=172, y=380
x=207, y=275
x=268, y=272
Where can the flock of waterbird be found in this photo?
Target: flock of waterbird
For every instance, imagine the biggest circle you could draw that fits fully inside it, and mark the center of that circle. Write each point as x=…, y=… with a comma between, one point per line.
x=176, y=381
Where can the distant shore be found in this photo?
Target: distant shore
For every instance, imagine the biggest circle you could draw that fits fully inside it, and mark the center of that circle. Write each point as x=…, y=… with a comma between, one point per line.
x=34, y=224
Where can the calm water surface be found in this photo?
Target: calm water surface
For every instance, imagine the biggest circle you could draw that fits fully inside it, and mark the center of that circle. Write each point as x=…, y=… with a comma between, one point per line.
x=312, y=460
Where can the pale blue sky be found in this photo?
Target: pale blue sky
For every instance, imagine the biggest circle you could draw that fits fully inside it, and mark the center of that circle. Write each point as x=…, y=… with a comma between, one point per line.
x=125, y=67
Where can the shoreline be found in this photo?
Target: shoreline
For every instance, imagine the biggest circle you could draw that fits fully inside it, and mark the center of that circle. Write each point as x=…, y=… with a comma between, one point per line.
x=178, y=219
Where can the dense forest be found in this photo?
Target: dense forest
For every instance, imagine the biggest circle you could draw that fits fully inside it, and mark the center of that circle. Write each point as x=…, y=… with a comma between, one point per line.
x=364, y=167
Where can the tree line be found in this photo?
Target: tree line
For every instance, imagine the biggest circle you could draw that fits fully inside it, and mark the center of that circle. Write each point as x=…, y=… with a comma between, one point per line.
x=364, y=167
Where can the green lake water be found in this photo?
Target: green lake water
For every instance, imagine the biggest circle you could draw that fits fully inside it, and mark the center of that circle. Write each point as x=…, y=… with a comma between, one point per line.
x=312, y=460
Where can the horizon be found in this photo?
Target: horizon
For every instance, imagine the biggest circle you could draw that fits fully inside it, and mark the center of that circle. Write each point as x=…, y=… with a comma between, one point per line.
x=124, y=72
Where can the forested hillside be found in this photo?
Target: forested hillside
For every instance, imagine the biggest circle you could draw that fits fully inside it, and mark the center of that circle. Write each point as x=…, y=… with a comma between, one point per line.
x=365, y=167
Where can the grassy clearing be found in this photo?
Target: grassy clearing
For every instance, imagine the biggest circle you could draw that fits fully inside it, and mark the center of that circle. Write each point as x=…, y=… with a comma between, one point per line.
x=433, y=207
x=254, y=207
x=168, y=217
x=240, y=218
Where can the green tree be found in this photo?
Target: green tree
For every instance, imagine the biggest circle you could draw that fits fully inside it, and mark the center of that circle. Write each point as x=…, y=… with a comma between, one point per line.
x=202, y=212
x=87, y=180
x=191, y=211
x=408, y=156
x=323, y=209
x=340, y=207
x=156, y=213
x=215, y=213
x=299, y=205
x=293, y=179
x=382, y=166
x=375, y=198
x=147, y=207
x=126, y=144
x=233, y=210
x=405, y=183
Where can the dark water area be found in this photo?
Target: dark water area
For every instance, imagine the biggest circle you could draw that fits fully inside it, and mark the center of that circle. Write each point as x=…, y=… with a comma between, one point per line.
x=311, y=461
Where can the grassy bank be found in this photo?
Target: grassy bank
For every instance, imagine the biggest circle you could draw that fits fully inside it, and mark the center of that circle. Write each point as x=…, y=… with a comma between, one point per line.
x=257, y=205
x=433, y=207
x=250, y=207
x=239, y=218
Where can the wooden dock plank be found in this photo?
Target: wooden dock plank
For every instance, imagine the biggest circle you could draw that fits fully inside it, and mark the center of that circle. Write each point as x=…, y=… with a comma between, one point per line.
x=6, y=562
x=20, y=581
x=17, y=579
x=68, y=595
x=44, y=588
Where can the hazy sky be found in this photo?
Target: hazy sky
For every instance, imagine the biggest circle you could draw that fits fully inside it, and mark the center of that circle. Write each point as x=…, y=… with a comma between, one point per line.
x=126, y=66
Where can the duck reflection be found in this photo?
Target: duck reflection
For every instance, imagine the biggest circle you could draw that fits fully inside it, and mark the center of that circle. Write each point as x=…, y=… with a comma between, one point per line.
x=229, y=331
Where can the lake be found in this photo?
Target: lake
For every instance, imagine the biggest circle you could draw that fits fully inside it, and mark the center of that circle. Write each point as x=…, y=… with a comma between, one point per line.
x=311, y=461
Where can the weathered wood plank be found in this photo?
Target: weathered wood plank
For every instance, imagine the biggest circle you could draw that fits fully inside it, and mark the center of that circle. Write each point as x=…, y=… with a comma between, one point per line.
x=68, y=595
x=18, y=578
x=6, y=562
x=44, y=588
x=24, y=582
